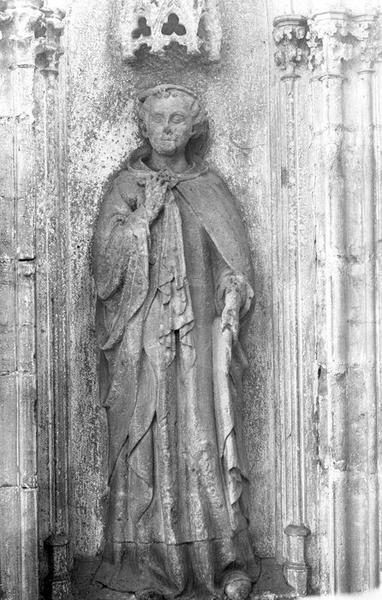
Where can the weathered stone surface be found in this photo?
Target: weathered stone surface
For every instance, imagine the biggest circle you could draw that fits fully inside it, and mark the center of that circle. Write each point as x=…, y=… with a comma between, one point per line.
x=8, y=421
x=10, y=548
x=7, y=150
x=8, y=317
x=339, y=265
x=18, y=557
x=239, y=150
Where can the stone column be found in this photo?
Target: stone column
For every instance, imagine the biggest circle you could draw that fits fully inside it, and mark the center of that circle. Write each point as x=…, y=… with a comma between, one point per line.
x=24, y=36
x=290, y=38
x=346, y=319
x=362, y=396
x=328, y=51
x=53, y=265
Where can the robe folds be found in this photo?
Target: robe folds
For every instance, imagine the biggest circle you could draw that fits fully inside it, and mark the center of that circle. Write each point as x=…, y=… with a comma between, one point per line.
x=177, y=520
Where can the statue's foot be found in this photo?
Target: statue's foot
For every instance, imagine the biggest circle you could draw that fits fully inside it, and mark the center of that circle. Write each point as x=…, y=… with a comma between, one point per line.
x=237, y=586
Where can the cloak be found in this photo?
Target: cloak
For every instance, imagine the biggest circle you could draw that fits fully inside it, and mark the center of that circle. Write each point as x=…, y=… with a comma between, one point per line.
x=121, y=272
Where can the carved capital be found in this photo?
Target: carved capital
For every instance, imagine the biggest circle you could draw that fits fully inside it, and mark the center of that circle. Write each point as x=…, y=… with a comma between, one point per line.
x=6, y=16
x=366, y=30
x=289, y=34
x=25, y=19
x=34, y=34
x=337, y=37
x=329, y=42
x=48, y=50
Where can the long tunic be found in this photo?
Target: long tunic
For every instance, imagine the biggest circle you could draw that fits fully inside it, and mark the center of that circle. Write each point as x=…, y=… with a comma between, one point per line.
x=176, y=520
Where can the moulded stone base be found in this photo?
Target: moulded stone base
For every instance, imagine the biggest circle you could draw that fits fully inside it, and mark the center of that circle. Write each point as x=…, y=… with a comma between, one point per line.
x=270, y=586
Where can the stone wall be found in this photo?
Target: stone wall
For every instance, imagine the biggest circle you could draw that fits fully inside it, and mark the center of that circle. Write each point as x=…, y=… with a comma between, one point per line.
x=297, y=136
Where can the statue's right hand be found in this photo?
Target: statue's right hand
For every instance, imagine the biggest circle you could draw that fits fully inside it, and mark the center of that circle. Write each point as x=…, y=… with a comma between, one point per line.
x=156, y=189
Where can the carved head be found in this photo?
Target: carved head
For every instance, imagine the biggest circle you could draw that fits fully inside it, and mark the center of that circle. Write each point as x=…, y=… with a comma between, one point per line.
x=169, y=117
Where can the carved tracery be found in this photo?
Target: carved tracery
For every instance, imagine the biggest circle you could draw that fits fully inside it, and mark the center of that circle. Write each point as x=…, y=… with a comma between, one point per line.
x=195, y=25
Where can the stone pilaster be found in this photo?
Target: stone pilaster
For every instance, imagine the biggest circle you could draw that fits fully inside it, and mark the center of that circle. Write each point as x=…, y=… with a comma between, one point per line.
x=291, y=55
x=18, y=486
x=25, y=30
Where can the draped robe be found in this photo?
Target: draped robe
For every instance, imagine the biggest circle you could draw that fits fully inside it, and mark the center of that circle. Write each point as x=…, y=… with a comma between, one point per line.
x=177, y=519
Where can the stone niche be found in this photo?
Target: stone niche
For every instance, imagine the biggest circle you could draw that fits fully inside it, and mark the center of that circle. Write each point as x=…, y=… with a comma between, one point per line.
x=101, y=133
x=295, y=130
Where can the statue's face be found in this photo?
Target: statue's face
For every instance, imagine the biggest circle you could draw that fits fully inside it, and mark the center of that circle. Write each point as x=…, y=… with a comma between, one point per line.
x=168, y=124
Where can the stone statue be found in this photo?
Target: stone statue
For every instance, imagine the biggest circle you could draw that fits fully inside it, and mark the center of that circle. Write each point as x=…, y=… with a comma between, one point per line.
x=174, y=282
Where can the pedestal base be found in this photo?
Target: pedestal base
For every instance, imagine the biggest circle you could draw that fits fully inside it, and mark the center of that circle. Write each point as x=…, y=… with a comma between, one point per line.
x=271, y=584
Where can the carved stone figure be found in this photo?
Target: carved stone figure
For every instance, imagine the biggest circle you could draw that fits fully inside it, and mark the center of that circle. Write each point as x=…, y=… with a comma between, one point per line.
x=174, y=282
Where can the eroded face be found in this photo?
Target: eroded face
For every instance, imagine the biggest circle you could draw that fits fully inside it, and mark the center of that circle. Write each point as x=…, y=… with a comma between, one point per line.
x=168, y=124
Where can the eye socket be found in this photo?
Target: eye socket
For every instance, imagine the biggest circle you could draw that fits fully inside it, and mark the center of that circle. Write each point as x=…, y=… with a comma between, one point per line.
x=157, y=117
x=178, y=118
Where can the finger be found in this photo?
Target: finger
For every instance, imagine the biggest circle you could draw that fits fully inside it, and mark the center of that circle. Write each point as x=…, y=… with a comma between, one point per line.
x=152, y=179
x=149, y=183
x=158, y=184
x=158, y=178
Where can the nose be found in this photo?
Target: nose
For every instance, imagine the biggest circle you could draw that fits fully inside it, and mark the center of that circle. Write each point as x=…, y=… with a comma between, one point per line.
x=167, y=127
